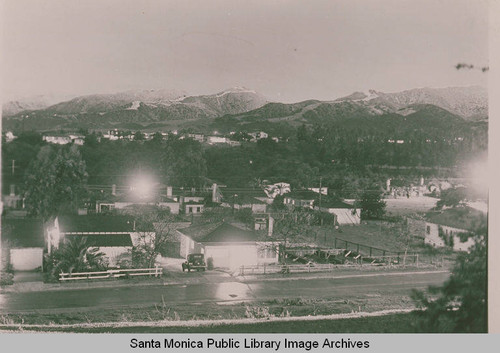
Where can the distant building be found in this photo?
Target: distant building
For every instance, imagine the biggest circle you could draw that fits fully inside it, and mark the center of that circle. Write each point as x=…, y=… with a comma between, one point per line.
x=9, y=136
x=453, y=227
x=345, y=214
x=212, y=140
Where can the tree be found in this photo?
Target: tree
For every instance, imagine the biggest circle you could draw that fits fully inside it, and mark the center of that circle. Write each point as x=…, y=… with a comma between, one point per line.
x=461, y=304
x=156, y=229
x=372, y=205
x=55, y=181
x=75, y=256
x=452, y=197
x=290, y=226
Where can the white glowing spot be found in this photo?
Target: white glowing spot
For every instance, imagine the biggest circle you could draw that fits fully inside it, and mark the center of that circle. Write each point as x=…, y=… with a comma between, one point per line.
x=142, y=186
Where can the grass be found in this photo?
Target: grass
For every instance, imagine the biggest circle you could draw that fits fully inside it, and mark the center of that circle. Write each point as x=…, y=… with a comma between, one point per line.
x=395, y=323
x=265, y=309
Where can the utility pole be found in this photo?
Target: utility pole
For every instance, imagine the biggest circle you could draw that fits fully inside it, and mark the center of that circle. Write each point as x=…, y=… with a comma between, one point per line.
x=320, y=192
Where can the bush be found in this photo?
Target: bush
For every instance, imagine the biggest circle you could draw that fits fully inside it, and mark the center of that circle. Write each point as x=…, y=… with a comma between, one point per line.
x=210, y=263
x=6, y=279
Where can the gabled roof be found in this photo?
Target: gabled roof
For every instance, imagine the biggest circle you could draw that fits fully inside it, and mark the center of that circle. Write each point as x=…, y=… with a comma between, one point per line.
x=103, y=240
x=220, y=233
x=22, y=232
x=227, y=233
x=465, y=218
x=96, y=223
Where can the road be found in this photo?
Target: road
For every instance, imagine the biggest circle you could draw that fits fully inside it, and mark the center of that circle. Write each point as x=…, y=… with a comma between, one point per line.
x=343, y=287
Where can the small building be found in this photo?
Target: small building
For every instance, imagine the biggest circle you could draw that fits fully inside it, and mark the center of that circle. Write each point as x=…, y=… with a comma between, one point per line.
x=454, y=227
x=345, y=214
x=239, y=202
x=229, y=246
x=58, y=140
x=193, y=207
x=212, y=140
x=300, y=198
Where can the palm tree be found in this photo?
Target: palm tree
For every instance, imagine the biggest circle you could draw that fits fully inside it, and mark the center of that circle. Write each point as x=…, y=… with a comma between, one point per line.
x=75, y=255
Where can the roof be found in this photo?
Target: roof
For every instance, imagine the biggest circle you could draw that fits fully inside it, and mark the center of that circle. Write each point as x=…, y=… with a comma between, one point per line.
x=22, y=232
x=219, y=233
x=245, y=200
x=302, y=195
x=103, y=240
x=96, y=223
x=227, y=233
x=193, y=203
x=229, y=192
x=465, y=218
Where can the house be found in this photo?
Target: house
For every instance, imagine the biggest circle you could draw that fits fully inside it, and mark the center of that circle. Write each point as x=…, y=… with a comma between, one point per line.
x=112, y=235
x=228, y=245
x=212, y=140
x=58, y=140
x=22, y=243
x=129, y=198
x=241, y=201
x=345, y=214
x=196, y=137
x=300, y=198
x=220, y=194
x=193, y=207
x=453, y=227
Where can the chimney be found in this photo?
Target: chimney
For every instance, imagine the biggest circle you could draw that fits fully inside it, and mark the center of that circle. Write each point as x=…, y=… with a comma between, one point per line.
x=113, y=189
x=270, y=227
x=12, y=189
x=214, y=192
x=169, y=192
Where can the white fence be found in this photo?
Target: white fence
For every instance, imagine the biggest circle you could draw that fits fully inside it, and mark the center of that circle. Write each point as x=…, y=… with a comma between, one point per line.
x=156, y=272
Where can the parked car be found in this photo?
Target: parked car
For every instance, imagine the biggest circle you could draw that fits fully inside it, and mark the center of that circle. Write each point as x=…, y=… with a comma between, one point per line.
x=194, y=262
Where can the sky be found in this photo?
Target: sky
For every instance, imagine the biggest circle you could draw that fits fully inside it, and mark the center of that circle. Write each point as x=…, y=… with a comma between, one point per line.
x=284, y=49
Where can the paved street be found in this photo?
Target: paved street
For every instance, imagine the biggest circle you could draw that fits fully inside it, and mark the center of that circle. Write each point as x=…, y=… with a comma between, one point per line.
x=343, y=287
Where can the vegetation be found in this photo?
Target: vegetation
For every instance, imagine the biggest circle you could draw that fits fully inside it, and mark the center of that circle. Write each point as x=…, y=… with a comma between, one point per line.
x=54, y=181
x=372, y=205
x=460, y=305
x=74, y=256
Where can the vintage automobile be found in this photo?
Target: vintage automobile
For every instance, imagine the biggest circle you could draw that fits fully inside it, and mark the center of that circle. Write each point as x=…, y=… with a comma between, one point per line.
x=194, y=262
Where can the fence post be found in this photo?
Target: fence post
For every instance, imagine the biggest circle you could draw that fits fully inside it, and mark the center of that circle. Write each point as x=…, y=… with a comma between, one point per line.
x=417, y=260
x=309, y=267
x=370, y=251
x=357, y=248
x=242, y=270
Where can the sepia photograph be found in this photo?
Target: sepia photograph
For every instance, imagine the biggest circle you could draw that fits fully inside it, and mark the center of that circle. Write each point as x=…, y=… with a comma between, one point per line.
x=235, y=167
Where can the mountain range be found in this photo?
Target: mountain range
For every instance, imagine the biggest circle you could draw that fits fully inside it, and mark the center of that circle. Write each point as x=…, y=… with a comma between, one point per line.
x=157, y=109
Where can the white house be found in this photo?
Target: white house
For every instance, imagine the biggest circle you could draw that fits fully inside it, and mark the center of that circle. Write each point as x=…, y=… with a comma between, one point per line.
x=454, y=228
x=228, y=246
x=112, y=235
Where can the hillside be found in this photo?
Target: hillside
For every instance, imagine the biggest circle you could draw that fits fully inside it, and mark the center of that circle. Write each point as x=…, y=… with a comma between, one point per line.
x=244, y=109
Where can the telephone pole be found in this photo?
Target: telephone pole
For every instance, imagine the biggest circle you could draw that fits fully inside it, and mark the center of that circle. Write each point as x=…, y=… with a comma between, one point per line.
x=320, y=192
